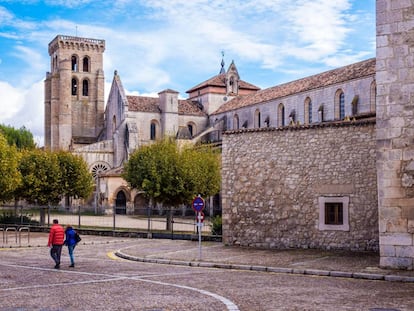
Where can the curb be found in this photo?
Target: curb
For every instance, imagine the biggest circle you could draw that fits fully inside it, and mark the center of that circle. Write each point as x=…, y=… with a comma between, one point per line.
x=326, y=273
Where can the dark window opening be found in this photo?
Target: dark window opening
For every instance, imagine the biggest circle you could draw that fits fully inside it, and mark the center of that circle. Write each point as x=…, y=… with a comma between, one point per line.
x=152, y=131
x=85, y=64
x=190, y=129
x=267, y=121
x=341, y=106
x=74, y=87
x=85, y=88
x=74, y=63
x=334, y=213
x=310, y=111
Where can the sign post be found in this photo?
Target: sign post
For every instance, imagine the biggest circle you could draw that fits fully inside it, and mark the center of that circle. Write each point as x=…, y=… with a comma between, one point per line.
x=198, y=206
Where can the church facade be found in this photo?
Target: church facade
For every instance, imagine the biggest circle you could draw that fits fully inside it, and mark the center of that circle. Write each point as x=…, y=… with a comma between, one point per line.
x=325, y=161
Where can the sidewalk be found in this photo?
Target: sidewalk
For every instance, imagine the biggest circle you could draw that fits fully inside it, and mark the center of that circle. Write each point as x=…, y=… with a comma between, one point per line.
x=362, y=265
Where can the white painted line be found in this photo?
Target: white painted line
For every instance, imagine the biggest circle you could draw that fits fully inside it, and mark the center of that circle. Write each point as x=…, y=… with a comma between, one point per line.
x=228, y=303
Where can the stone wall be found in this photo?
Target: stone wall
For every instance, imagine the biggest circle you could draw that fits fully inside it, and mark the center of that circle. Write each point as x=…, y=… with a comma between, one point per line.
x=395, y=130
x=273, y=180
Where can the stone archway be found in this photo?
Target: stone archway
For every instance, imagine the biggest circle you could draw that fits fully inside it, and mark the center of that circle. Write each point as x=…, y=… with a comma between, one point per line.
x=120, y=203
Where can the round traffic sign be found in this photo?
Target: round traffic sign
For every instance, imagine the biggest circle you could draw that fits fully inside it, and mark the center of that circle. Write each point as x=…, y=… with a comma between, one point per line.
x=198, y=204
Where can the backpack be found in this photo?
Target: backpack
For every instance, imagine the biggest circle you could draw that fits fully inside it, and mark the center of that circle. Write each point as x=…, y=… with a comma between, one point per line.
x=77, y=238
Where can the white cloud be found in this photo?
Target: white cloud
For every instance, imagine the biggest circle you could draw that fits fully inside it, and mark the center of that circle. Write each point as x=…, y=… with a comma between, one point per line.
x=68, y=3
x=24, y=107
x=12, y=101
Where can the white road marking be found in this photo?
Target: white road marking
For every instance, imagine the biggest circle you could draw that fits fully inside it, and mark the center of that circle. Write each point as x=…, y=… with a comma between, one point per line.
x=110, y=278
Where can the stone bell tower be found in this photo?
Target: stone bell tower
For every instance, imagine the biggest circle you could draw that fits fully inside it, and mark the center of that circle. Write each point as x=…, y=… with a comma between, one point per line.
x=74, y=92
x=395, y=132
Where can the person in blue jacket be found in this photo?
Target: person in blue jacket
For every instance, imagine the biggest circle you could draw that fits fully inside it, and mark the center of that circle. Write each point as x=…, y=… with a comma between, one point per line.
x=70, y=242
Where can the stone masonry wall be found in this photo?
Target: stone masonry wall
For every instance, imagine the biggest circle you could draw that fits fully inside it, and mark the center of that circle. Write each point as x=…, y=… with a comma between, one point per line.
x=273, y=178
x=395, y=130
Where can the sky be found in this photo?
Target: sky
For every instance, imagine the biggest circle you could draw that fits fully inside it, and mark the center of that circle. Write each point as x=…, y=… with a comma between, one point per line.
x=176, y=44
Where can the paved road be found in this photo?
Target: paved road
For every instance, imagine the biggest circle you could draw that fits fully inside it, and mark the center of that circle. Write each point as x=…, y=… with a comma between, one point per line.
x=101, y=281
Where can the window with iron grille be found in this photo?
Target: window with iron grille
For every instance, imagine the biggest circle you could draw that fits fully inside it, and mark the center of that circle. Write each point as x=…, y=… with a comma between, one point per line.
x=333, y=213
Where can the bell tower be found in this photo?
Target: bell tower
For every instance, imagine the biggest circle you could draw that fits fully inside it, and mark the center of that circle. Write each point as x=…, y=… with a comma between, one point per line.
x=74, y=92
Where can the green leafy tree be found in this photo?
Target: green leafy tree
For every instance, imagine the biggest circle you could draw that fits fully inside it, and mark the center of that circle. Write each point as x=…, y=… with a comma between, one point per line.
x=10, y=176
x=173, y=176
x=76, y=180
x=41, y=176
x=201, y=171
x=154, y=169
x=21, y=138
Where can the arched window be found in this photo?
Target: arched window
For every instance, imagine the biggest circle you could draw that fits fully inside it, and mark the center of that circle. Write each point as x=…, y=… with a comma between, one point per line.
x=190, y=129
x=236, y=124
x=341, y=106
x=373, y=97
x=153, y=131
x=257, y=121
x=74, y=86
x=308, y=110
x=86, y=64
x=281, y=115
x=85, y=88
x=74, y=63
x=339, y=103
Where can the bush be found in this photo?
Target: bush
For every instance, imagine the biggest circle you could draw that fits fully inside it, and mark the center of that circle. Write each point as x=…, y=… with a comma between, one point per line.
x=13, y=219
x=216, y=225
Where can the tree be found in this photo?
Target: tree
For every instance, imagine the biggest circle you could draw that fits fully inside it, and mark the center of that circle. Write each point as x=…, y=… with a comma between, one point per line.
x=10, y=176
x=21, y=138
x=171, y=176
x=76, y=180
x=201, y=171
x=41, y=177
x=49, y=176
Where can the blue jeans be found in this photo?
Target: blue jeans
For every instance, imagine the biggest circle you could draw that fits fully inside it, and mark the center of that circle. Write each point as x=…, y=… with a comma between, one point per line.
x=70, y=249
x=55, y=252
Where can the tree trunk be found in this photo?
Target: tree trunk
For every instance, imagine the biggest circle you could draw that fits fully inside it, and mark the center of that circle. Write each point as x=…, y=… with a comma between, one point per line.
x=168, y=220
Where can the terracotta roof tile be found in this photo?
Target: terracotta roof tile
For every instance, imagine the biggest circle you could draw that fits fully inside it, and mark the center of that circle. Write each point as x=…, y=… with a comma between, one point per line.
x=220, y=80
x=190, y=107
x=339, y=75
x=143, y=104
x=151, y=104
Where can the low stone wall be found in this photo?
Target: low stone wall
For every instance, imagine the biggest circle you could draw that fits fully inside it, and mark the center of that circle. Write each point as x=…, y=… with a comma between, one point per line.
x=273, y=180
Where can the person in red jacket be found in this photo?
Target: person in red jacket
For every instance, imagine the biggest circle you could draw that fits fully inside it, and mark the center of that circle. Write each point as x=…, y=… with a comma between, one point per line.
x=56, y=239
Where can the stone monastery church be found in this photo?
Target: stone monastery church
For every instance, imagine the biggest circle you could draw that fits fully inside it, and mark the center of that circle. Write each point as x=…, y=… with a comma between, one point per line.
x=326, y=161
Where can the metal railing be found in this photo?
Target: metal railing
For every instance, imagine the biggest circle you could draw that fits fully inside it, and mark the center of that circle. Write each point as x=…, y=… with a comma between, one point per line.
x=174, y=221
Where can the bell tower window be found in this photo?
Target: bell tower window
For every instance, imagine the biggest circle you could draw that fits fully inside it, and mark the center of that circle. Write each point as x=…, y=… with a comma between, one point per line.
x=74, y=63
x=85, y=88
x=85, y=64
x=74, y=86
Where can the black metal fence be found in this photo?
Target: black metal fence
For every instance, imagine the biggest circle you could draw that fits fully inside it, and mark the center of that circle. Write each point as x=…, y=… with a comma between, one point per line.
x=181, y=220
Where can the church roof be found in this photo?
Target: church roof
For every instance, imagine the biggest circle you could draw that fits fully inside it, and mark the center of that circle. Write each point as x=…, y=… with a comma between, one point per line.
x=143, y=104
x=339, y=75
x=220, y=80
x=151, y=104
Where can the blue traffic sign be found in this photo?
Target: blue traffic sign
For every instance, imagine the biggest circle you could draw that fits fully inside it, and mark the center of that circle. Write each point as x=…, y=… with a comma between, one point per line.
x=198, y=204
